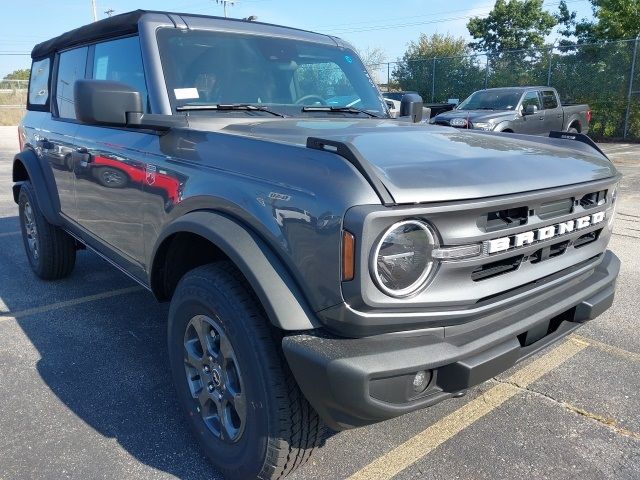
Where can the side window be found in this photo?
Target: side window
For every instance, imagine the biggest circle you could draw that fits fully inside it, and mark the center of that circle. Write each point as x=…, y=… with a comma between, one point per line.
x=39, y=82
x=549, y=99
x=121, y=61
x=71, y=67
x=531, y=98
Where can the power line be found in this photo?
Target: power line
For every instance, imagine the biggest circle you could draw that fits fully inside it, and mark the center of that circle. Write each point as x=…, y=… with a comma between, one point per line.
x=371, y=28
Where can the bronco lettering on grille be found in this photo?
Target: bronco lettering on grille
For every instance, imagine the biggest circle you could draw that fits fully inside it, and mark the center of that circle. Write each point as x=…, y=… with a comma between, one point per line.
x=525, y=238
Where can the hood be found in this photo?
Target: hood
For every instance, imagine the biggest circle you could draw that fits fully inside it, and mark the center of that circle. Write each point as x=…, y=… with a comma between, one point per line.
x=426, y=163
x=495, y=116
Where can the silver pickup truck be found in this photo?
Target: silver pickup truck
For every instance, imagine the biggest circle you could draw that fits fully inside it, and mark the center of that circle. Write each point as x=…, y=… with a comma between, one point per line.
x=530, y=110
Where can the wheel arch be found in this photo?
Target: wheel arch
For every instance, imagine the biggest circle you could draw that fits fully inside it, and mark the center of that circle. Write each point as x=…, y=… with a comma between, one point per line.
x=575, y=123
x=26, y=167
x=219, y=237
x=504, y=126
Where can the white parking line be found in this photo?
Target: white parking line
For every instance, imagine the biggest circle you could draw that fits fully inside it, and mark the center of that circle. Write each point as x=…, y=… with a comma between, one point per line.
x=405, y=455
x=6, y=316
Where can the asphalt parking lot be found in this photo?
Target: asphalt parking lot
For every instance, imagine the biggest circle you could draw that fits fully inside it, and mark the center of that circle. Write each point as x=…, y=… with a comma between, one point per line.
x=85, y=390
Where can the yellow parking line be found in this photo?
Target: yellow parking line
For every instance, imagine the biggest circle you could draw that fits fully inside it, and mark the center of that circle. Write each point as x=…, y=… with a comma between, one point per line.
x=401, y=457
x=5, y=316
x=620, y=352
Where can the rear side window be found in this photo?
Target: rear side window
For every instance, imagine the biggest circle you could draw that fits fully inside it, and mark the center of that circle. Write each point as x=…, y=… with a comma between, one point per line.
x=549, y=99
x=39, y=84
x=121, y=61
x=71, y=67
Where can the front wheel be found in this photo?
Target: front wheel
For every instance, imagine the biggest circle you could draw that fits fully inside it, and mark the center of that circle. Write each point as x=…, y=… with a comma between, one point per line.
x=241, y=400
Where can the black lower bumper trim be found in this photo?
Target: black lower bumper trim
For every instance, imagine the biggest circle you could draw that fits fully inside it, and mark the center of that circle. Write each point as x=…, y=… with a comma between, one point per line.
x=335, y=374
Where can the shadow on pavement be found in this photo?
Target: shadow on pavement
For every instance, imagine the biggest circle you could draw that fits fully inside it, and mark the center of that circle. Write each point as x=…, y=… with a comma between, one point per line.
x=106, y=361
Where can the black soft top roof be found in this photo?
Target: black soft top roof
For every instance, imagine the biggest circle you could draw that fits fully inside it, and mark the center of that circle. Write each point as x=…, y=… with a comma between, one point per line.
x=127, y=23
x=122, y=24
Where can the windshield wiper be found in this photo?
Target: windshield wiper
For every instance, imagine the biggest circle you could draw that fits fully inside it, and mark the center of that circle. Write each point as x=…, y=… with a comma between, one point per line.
x=247, y=107
x=327, y=108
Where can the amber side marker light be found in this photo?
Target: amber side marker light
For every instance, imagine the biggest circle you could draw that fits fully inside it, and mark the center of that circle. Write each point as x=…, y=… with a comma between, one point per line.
x=348, y=256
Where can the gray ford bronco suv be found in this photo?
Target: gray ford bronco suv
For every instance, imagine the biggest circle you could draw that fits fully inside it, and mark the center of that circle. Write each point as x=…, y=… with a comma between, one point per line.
x=326, y=265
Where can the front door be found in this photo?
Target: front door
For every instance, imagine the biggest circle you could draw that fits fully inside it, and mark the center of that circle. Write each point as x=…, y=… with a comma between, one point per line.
x=531, y=124
x=110, y=169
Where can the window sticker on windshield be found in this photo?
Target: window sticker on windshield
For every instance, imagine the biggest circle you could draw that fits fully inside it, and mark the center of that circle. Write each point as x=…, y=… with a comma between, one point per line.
x=186, y=93
x=348, y=59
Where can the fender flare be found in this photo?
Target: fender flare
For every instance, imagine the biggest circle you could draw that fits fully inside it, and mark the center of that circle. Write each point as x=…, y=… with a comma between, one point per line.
x=276, y=289
x=48, y=203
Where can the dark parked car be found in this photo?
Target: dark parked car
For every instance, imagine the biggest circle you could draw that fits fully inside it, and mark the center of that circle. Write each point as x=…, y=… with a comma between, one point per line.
x=530, y=110
x=326, y=265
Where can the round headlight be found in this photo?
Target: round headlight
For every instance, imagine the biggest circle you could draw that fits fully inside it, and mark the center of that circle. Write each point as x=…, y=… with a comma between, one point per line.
x=402, y=260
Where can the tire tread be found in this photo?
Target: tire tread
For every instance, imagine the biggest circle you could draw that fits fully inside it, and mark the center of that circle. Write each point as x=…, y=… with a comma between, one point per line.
x=300, y=429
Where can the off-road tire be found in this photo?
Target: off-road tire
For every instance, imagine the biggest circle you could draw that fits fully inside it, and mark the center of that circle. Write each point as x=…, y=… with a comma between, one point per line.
x=55, y=253
x=281, y=429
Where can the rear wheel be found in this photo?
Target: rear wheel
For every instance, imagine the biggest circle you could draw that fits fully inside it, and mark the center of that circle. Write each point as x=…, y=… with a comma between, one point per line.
x=241, y=400
x=50, y=250
x=572, y=130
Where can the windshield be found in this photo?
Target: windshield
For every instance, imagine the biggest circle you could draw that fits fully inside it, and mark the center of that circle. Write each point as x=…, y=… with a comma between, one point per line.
x=492, y=100
x=283, y=75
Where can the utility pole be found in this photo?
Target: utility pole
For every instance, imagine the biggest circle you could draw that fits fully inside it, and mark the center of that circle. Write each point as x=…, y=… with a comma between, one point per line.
x=95, y=10
x=224, y=5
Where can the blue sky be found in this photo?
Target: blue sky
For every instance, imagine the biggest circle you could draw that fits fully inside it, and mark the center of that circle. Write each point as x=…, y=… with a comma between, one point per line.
x=389, y=25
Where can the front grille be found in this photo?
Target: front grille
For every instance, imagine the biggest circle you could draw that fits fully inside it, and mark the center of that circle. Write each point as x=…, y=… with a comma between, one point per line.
x=494, y=269
x=549, y=252
x=555, y=209
x=591, y=200
x=587, y=238
x=465, y=281
x=506, y=218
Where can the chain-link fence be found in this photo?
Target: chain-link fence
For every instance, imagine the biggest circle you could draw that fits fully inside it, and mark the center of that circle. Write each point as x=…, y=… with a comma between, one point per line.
x=13, y=98
x=604, y=75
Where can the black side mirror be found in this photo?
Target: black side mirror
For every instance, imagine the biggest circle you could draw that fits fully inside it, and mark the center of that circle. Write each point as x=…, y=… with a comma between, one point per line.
x=103, y=102
x=411, y=106
x=530, y=110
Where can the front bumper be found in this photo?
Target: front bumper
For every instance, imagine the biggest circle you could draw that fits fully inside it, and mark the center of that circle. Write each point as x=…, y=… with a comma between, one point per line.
x=356, y=382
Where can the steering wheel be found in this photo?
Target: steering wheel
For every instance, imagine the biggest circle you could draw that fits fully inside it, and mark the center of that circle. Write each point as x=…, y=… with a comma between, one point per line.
x=301, y=100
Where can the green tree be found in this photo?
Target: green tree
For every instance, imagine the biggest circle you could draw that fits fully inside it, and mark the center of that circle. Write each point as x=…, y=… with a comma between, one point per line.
x=455, y=72
x=21, y=74
x=372, y=56
x=591, y=50
x=612, y=20
x=511, y=25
